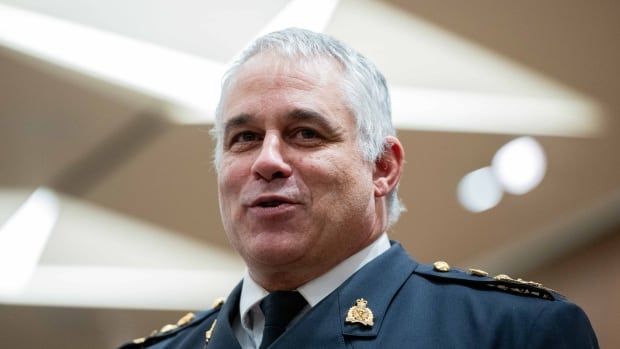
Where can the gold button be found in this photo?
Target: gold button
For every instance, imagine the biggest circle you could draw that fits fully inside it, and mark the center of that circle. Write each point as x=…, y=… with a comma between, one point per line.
x=187, y=318
x=168, y=328
x=478, y=272
x=218, y=302
x=534, y=284
x=441, y=266
x=139, y=340
x=503, y=277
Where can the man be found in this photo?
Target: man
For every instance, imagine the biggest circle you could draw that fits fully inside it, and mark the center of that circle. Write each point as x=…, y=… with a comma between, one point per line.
x=308, y=167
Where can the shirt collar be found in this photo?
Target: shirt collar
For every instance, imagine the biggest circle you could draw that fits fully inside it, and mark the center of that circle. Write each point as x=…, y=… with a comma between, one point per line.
x=315, y=290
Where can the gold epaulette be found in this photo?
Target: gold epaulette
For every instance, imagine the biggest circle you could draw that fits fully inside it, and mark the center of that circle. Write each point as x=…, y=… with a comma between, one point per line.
x=168, y=329
x=182, y=322
x=501, y=282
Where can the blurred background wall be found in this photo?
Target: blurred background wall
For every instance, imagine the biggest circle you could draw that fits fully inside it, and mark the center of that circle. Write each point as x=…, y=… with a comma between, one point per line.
x=109, y=224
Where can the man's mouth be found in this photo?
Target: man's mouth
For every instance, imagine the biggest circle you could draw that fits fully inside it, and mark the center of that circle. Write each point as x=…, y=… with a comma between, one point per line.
x=270, y=201
x=273, y=203
x=268, y=207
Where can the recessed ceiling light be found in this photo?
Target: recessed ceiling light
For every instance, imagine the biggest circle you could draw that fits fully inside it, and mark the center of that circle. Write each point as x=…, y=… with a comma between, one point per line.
x=520, y=165
x=479, y=190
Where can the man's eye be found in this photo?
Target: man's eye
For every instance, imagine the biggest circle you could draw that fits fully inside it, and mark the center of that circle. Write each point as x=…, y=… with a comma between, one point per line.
x=307, y=134
x=243, y=140
x=245, y=137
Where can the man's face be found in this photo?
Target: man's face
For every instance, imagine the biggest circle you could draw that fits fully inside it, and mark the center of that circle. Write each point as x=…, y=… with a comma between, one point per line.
x=294, y=190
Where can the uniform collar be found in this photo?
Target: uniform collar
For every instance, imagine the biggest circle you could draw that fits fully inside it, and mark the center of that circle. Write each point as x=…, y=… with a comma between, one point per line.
x=315, y=290
x=377, y=282
x=324, y=325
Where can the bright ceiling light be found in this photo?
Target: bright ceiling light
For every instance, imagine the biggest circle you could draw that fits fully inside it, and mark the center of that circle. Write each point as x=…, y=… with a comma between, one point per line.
x=124, y=287
x=479, y=190
x=466, y=87
x=23, y=237
x=163, y=73
x=90, y=265
x=307, y=14
x=520, y=165
x=456, y=111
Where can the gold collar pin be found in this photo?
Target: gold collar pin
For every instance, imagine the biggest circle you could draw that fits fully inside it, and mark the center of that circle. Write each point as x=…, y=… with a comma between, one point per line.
x=360, y=313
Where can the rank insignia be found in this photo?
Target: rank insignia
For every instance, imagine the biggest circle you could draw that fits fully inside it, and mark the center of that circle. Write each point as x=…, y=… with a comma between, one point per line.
x=209, y=332
x=360, y=313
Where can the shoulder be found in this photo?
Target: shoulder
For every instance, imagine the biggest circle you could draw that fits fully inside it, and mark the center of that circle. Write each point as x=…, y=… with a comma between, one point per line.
x=512, y=309
x=479, y=280
x=185, y=323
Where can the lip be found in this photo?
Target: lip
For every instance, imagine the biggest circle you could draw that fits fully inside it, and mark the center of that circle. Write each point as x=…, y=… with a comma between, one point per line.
x=267, y=198
x=286, y=208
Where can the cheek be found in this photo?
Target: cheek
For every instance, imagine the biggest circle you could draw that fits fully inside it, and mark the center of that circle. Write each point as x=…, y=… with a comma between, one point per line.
x=231, y=175
x=230, y=182
x=337, y=181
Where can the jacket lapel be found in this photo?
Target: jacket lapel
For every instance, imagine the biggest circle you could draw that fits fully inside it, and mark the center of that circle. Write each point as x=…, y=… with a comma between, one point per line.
x=325, y=325
x=319, y=328
x=222, y=336
x=377, y=283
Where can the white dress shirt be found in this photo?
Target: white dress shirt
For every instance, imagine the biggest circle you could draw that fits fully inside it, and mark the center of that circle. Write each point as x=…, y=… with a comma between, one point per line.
x=248, y=327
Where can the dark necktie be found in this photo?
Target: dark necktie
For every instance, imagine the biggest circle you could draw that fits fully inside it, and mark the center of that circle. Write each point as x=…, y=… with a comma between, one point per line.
x=279, y=308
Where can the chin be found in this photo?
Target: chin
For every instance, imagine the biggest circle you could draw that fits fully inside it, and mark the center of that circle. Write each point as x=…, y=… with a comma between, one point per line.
x=277, y=250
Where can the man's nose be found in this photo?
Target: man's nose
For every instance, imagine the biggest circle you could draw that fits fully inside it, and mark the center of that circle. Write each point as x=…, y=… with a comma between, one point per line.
x=270, y=163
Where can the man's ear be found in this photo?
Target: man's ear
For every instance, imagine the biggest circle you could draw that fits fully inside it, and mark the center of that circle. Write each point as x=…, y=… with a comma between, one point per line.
x=388, y=167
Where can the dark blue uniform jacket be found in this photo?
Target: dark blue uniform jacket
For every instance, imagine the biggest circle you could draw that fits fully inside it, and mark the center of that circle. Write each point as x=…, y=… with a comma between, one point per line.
x=414, y=306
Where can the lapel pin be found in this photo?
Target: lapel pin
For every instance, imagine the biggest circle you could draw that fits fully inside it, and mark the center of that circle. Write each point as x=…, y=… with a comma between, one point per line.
x=360, y=313
x=209, y=333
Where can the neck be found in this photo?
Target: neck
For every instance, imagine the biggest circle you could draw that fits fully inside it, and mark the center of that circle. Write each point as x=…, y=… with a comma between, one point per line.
x=280, y=281
x=292, y=277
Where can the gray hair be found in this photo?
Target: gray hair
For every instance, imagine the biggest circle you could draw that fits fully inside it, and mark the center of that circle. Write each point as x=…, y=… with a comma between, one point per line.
x=365, y=88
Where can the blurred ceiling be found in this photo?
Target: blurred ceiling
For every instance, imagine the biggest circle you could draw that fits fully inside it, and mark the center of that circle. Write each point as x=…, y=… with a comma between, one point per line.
x=134, y=178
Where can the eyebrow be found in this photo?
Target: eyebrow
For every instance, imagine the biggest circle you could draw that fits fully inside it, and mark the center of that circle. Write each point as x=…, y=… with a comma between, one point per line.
x=236, y=121
x=300, y=114
x=297, y=114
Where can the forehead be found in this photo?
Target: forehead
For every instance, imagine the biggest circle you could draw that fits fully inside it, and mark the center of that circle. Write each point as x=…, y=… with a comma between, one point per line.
x=267, y=79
